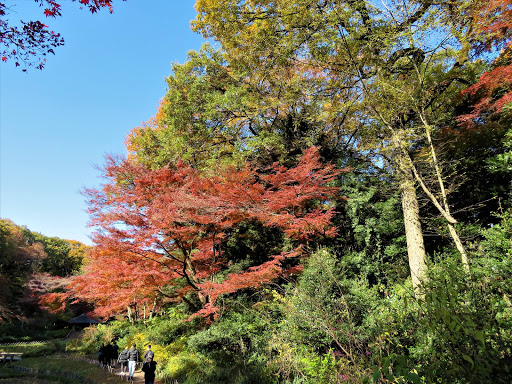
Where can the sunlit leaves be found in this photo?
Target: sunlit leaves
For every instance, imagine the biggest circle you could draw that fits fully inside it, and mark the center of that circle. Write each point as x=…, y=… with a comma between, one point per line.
x=162, y=230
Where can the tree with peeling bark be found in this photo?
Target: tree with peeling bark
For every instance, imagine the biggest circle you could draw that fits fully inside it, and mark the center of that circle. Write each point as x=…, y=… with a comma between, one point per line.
x=385, y=68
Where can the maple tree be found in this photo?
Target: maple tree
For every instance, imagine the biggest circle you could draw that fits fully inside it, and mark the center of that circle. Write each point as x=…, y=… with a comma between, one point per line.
x=483, y=128
x=493, y=89
x=34, y=41
x=161, y=231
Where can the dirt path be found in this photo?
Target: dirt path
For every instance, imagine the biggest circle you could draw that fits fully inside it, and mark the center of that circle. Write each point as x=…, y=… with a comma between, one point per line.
x=138, y=377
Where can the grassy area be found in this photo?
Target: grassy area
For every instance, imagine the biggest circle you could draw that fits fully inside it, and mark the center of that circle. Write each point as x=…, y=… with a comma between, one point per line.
x=9, y=375
x=11, y=333
x=34, y=350
x=49, y=356
x=65, y=366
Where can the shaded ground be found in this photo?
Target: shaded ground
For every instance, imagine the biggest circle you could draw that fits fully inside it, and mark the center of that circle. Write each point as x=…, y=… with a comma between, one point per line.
x=47, y=366
x=138, y=377
x=26, y=380
x=59, y=372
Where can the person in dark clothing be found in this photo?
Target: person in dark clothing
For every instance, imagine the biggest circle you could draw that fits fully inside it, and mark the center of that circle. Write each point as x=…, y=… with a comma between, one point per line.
x=109, y=351
x=115, y=353
x=149, y=353
x=101, y=354
x=123, y=360
x=149, y=368
x=133, y=357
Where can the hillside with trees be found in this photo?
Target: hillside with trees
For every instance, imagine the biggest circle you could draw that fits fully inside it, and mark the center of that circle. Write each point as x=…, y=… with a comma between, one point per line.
x=323, y=196
x=32, y=265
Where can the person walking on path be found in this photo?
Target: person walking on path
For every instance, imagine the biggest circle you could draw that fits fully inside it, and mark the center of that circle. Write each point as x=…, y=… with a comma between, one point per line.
x=133, y=357
x=109, y=351
x=101, y=354
x=149, y=353
x=123, y=360
x=115, y=353
x=149, y=368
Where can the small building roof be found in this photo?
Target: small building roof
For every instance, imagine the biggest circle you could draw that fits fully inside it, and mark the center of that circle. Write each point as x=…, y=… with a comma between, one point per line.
x=84, y=319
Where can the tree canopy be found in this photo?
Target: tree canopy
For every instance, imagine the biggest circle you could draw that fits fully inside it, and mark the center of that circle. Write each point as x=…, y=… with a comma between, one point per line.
x=325, y=197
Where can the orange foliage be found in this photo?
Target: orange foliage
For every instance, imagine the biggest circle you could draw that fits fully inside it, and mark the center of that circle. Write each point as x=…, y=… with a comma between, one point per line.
x=493, y=20
x=160, y=231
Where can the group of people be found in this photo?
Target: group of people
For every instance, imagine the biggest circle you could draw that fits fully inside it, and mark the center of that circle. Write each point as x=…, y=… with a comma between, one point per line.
x=128, y=358
x=108, y=354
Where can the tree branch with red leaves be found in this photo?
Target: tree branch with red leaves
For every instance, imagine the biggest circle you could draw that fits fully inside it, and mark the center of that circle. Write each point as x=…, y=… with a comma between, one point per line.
x=492, y=92
x=164, y=228
x=29, y=43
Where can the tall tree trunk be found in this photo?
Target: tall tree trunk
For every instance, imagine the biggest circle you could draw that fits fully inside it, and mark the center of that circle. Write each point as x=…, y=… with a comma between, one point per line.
x=453, y=233
x=411, y=213
x=190, y=273
x=152, y=312
x=130, y=317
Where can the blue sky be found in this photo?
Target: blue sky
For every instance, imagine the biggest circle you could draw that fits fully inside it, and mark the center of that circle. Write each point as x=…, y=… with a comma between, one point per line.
x=57, y=124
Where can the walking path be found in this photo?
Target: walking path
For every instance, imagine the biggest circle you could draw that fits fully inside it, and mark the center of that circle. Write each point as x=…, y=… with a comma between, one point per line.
x=10, y=358
x=138, y=377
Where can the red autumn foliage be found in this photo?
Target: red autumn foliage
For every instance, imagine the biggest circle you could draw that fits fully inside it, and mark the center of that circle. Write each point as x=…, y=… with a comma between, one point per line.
x=160, y=231
x=493, y=21
x=493, y=91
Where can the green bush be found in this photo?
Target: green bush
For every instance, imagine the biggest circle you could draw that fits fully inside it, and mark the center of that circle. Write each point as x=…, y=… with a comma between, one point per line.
x=458, y=331
x=322, y=337
x=237, y=344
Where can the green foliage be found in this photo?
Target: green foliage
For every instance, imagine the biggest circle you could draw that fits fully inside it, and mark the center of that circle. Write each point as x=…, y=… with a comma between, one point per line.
x=187, y=368
x=60, y=260
x=497, y=244
x=394, y=369
x=321, y=369
x=372, y=234
x=235, y=343
x=197, y=120
x=467, y=320
x=322, y=336
x=503, y=161
x=457, y=332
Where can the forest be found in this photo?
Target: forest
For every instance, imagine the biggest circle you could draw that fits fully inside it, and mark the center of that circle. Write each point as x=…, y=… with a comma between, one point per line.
x=323, y=196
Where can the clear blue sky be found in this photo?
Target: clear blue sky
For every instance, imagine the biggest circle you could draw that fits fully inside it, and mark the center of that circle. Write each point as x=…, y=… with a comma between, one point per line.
x=58, y=123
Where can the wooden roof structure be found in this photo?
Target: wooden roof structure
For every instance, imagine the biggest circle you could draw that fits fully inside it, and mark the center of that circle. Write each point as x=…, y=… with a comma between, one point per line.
x=84, y=319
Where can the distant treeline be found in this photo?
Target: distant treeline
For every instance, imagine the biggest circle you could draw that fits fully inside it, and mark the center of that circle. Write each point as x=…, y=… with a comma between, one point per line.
x=31, y=263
